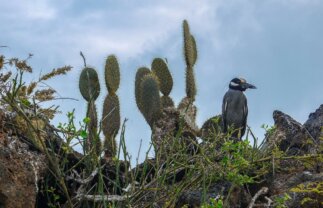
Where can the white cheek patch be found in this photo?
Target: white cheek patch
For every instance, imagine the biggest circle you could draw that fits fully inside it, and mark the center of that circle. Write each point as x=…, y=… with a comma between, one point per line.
x=233, y=84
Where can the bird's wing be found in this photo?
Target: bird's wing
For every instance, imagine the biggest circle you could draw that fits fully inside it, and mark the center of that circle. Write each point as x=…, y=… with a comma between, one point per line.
x=224, y=113
x=245, y=115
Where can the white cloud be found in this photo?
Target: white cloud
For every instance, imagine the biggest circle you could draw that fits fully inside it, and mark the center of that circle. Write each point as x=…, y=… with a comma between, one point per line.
x=28, y=10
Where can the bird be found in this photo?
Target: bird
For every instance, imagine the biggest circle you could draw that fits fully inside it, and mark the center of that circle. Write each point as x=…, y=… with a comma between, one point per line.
x=235, y=108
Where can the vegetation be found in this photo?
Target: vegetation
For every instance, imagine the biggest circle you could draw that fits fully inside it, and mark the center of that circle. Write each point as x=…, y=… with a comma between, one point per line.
x=217, y=169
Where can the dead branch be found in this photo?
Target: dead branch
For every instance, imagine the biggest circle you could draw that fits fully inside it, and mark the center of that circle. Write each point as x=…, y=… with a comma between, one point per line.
x=262, y=191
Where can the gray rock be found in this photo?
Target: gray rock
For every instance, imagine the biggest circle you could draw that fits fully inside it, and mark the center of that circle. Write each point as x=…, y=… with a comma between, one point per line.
x=290, y=136
x=314, y=124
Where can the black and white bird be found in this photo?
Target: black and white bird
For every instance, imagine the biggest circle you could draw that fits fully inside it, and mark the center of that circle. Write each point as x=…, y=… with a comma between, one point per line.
x=235, y=108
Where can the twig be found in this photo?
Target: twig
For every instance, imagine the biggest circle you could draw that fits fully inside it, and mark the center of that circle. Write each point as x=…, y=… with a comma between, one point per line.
x=100, y=198
x=84, y=181
x=84, y=60
x=262, y=191
x=289, y=157
x=269, y=201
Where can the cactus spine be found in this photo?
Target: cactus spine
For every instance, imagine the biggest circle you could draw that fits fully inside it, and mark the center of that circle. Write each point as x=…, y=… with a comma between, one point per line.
x=90, y=89
x=111, y=107
x=160, y=69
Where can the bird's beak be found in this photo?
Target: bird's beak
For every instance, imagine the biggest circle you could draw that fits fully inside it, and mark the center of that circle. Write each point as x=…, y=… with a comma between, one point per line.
x=250, y=86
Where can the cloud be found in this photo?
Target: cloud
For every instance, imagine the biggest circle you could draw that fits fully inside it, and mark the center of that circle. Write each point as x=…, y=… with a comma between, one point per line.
x=28, y=10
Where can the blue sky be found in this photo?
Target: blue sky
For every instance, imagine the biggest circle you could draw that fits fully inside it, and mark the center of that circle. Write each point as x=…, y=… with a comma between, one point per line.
x=276, y=45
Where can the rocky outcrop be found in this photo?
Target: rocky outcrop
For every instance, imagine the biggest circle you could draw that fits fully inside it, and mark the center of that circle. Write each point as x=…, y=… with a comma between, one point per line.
x=298, y=180
x=21, y=169
x=291, y=136
x=314, y=124
x=294, y=180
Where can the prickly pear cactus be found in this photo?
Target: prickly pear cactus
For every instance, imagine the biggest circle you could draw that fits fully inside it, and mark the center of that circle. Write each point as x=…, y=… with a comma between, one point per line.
x=89, y=84
x=186, y=106
x=189, y=50
x=190, y=84
x=141, y=72
x=194, y=49
x=150, y=99
x=93, y=140
x=90, y=89
x=111, y=124
x=168, y=123
x=165, y=80
x=111, y=107
x=160, y=69
x=112, y=74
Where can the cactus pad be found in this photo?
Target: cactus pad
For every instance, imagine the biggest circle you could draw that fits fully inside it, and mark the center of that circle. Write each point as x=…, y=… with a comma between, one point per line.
x=194, y=49
x=141, y=72
x=110, y=122
x=89, y=84
x=112, y=74
x=188, y=45
x=111, y=116
x=151, y=105
x=190, y=84
x=160, y=69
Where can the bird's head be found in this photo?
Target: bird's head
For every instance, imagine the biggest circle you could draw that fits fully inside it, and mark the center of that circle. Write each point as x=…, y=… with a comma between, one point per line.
x=240, y=84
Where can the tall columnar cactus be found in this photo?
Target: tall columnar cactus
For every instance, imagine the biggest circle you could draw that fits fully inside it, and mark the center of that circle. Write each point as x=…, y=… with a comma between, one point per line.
x=90, y=89
x=111, y=107
x=160, y=69
x=148, y=97
x=190, y=53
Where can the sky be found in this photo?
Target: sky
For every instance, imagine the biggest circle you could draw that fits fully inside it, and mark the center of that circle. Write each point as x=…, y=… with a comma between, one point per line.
x=276, y=45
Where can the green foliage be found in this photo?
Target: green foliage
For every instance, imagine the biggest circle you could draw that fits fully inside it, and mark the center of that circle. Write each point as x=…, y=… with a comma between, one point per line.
x=214, y=203
x=235, y=162
x=269, y=129
x=112, y=74
x=160, y=69
x=141, y=72
x=280, y=202
x=89, y=84
x=312, y=193
x=110, y=123
x=150, y=99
